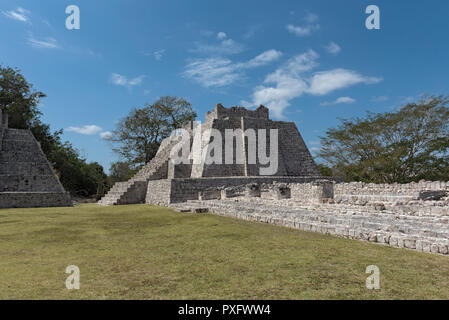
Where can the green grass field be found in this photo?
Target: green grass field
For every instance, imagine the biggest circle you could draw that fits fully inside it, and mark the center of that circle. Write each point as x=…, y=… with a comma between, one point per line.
x=143, y=252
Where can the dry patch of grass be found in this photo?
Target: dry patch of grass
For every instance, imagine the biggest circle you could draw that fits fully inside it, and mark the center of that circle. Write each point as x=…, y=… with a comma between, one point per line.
x=143, y=252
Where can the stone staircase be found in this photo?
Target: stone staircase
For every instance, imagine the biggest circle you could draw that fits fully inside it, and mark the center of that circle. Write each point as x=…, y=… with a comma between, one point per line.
x=134, y=190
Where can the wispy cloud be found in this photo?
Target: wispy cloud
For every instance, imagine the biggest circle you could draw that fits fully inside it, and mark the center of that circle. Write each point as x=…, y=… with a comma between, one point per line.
x=212, y=72
x=44, y=43
x=288, y=83
x=106, y=135
x=251, y=32
x=121, y=80
x=307, y=29
x=333, y=48
x=19, y=14
x=293, y=79
x=302, y=31
x=263, y=58
x=86, y=130
x=341, y=100
x=226, y=46
x=158, y=54
x=221, y=35
x=220, y=72
x=325, y=82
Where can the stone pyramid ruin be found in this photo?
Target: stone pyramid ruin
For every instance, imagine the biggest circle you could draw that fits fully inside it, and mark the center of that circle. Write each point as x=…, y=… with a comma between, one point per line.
x=26, y=177
x=164, y=181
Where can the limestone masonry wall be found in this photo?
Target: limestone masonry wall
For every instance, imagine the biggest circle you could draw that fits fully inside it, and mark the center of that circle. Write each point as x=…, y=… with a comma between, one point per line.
x=26, y=177
x=158, y=192
x=34, y=199
x=426, y=234
x=414, y=216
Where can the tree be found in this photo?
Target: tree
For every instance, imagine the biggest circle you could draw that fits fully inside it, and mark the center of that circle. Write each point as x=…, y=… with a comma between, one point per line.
x=176, y=112
x=137, y=136
x=403, y=146
x=121, y=171
x=20, y=101
x=324, y=170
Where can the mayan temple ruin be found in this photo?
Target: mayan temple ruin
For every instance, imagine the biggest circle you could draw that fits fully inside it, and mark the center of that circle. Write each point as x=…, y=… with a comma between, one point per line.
x=168, y=182
x=413, y=216
x=26, y=177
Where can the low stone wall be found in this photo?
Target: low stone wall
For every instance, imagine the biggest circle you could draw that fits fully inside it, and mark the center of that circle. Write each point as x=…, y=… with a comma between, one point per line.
x=189, y=189
x=314, y=192
x=426, y=234
x=359, y=192
x=34, y=199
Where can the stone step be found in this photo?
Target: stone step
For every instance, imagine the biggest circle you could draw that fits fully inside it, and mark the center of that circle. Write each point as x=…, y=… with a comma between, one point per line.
x=402, y=231
x=120, y=190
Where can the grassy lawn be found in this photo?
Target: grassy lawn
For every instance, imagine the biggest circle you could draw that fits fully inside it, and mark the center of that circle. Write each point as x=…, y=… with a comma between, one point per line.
x=143, y=252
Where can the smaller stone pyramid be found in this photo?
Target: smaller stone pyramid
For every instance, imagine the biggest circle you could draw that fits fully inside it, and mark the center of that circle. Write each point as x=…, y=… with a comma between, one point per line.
x=26, y=177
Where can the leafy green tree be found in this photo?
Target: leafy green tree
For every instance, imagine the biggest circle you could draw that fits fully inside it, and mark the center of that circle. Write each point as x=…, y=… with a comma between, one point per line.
x=137, y=136
x=403, y=146
x=20, y=101
x=121, y=171
x=174, y=111
x=325, y=170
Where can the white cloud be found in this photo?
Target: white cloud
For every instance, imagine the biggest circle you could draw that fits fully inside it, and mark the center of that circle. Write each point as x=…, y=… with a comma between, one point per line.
x=19, y=14
x=333, y=48
x=87, y=130
x=225, y=47
x=46, y=43
x=306, y=30
x=264, y=58
x=106, y=135
x=158, y=54
x=221, y=35
x=340, y=100
x=302, y=31
x=345, y=100
x=251, y=31
x=325, y=82
x=293, y=79
x=287, y=83
x=212, y=72
x=121, y=80
x=220, y=72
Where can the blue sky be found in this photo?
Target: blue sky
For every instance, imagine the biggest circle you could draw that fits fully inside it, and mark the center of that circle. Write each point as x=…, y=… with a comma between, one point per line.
x=311, y=62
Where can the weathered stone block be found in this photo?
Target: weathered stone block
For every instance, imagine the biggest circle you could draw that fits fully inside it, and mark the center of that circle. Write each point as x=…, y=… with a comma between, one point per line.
x=230, y=192
x=432, y=195
x=252, y=190
x=282, y=191
x=210, y=194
